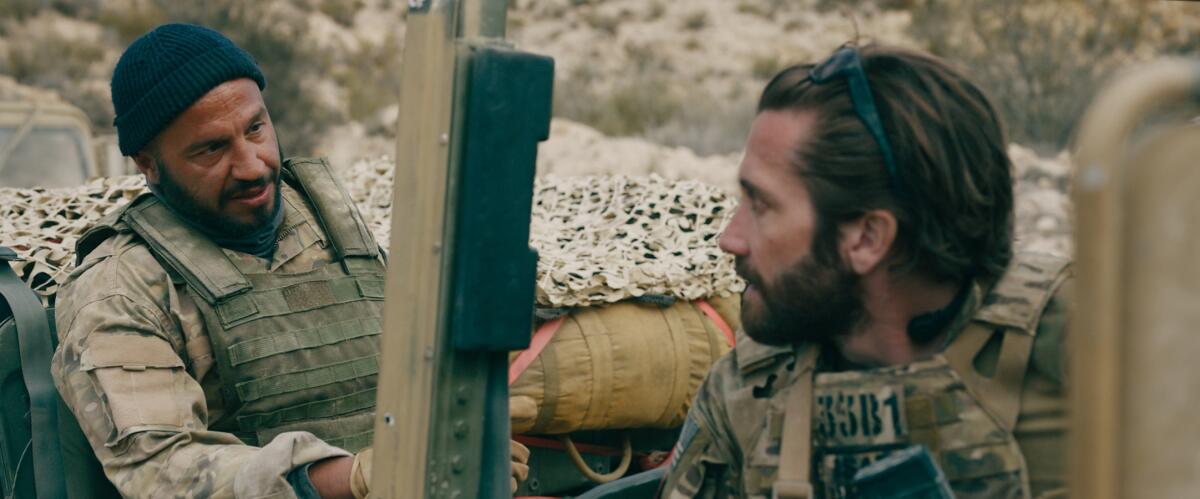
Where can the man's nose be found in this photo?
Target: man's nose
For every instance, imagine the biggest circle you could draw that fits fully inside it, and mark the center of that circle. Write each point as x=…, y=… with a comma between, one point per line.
x=733, y=240
x=247, y=165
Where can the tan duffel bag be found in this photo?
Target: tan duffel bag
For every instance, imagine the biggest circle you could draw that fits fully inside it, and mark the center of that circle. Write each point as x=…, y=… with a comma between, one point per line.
x=618, y=366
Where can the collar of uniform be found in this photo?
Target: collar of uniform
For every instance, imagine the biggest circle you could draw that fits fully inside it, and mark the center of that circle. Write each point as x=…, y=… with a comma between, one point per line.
x=1015, y=300
x=296, y=232
x=752, y=355
x=970, y=306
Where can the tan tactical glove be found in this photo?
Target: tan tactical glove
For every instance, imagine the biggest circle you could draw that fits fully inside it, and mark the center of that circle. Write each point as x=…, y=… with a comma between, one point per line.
x=520, y=464
x=360, y=474
x=360, y=471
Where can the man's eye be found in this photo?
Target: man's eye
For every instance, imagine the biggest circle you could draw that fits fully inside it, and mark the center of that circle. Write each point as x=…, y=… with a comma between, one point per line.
x=757, y=205
x=257, y=127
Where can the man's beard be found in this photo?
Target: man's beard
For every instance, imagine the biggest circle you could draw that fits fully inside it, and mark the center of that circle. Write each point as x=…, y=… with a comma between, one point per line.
x=809, y=302
x=214, y=222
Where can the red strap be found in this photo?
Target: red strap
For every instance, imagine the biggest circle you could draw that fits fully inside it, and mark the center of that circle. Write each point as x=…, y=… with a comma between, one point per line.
x=541, y=338
x=718, y=320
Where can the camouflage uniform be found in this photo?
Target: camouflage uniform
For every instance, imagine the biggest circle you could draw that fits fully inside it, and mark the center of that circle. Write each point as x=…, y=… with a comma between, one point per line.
x=136, y=365
x=731, y=443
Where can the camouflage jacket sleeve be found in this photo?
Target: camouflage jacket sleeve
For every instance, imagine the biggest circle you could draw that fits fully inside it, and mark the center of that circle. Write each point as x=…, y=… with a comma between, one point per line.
x=124, y=369
x=705, y=464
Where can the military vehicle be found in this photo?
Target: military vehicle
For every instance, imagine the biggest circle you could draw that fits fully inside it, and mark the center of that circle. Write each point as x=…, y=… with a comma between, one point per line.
x=45, y=144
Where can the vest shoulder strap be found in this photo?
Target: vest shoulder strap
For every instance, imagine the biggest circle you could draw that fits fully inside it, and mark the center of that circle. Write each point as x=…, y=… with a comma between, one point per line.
x=108, y=226
x=795, y=452
x=335, y=210
x=1012, y=309
x=184, y=252
x=1018, y=299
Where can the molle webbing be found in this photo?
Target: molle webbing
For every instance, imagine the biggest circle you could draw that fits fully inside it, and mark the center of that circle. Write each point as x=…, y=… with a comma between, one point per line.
x=353, y=443
x=334, y=208
x=346, y=404
x=299, y=297
x=279, y=384
x=351, y=432
x=288, y=341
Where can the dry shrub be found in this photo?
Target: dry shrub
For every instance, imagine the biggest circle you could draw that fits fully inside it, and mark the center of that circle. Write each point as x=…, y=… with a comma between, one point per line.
x=600, y=21
x=763, y=67
x=753, y=8
x=649, y=100
x=19, y=9
x=696, y=21
x=633, y=105
x=341, y=11
x=303, y=103
x=655, y=11
x=1042, y=60
x=371, y=78
x=71, y=64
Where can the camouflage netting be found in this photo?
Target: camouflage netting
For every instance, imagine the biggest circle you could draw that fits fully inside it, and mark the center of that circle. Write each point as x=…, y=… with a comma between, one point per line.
x=43, y=224
x=601, y=238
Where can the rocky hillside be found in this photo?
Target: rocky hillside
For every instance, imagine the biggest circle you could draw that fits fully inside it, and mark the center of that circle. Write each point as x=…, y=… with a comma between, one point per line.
x=642, y=86
x=678, y=73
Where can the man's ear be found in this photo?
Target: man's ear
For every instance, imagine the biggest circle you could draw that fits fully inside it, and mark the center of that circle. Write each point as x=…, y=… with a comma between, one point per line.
x=147, y=165
x=867, y=241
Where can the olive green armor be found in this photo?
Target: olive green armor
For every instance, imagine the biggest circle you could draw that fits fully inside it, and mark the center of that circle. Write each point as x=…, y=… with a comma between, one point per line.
x=962, y=404
x=294, y=352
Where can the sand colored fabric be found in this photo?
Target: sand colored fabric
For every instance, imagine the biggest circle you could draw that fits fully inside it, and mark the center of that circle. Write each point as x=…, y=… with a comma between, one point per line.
x=626, y=365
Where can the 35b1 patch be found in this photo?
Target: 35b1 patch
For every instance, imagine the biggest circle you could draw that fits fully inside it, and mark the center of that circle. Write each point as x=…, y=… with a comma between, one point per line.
x=859, y=416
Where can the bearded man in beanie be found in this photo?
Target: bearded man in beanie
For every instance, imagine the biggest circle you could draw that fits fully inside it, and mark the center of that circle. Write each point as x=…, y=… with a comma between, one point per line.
x=219, y=337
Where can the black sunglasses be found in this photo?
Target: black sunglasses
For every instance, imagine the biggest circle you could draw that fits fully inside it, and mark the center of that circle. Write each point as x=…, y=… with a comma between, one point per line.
x=845, y=62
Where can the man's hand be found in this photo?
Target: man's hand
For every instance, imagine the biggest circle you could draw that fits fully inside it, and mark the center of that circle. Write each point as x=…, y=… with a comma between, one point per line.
x=520, y=463
x=360, y=473
x=355, y=473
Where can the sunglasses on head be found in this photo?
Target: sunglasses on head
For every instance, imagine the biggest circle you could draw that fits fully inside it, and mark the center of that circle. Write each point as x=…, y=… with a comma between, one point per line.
x=845, y=62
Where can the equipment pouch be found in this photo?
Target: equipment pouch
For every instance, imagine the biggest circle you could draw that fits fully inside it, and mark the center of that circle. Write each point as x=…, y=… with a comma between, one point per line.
x=143, y=383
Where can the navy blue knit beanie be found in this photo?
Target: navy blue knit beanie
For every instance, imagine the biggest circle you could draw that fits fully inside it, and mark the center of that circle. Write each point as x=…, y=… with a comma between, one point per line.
x=164, y=71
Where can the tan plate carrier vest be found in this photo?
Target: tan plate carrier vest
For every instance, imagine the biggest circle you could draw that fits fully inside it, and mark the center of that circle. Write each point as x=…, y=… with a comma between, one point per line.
x=294, y=352
x=842, y=421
